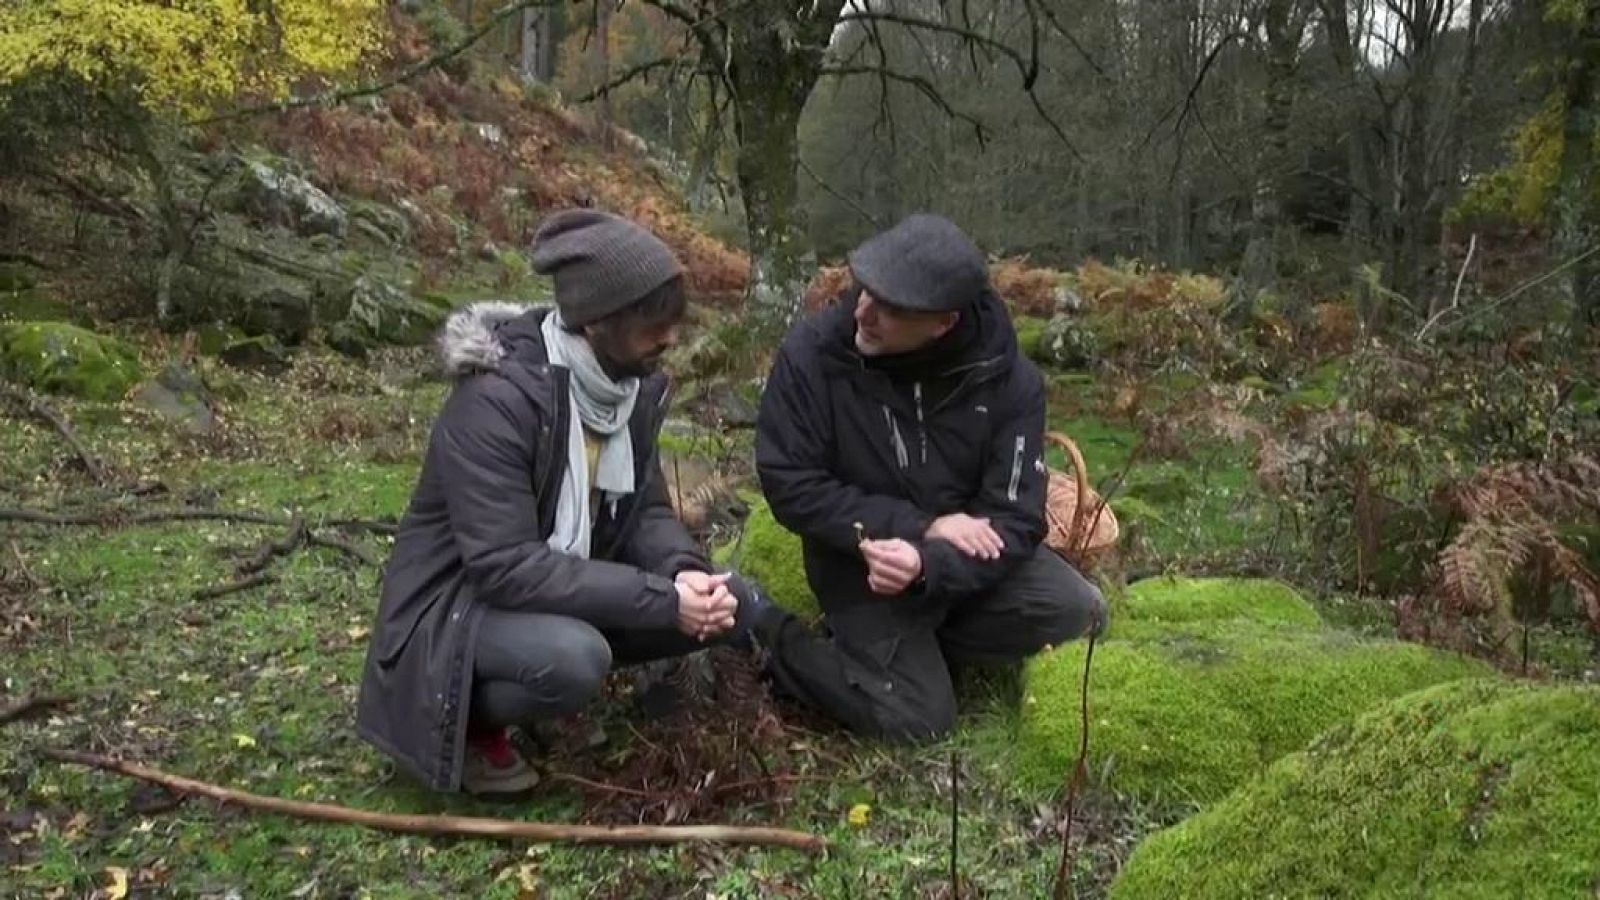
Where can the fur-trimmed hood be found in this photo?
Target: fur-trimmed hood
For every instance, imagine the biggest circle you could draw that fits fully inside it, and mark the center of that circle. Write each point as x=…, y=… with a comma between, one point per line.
x=471, y=342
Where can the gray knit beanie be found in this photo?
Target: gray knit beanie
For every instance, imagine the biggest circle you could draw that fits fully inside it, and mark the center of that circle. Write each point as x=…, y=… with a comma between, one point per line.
x=924, y=263
x=600, y=262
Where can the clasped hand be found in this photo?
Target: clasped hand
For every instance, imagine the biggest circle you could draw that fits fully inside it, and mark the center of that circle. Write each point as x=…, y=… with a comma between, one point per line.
x=705, y=605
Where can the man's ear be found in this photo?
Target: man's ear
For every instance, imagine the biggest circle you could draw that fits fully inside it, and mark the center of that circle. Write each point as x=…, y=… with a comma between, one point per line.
x=948, y=321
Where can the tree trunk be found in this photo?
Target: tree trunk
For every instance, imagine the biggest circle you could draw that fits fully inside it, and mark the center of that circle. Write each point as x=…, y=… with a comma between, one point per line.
x=1258, y=272
x=1361, y=211
x=537, y=57
x=1577, y=210
x=1416, y=221
x=771, y=76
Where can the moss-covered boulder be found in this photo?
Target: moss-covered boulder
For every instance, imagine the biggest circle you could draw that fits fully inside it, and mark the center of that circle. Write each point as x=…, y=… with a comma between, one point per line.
x=770, y=555
x=1162, y=606
x=1202, y=683
x=37, y=305
x=1476, y=789
x=63, y=358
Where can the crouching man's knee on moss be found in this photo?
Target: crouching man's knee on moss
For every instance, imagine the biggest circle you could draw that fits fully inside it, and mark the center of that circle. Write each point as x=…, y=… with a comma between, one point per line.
x=901, y=436
x=539, y=548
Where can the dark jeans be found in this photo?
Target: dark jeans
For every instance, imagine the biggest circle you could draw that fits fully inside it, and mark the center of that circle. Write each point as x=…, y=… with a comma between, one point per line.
x=884, y=670
x=535, y=666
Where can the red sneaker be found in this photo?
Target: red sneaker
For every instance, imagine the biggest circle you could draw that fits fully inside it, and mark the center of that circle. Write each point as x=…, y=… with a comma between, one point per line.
x=493, y=766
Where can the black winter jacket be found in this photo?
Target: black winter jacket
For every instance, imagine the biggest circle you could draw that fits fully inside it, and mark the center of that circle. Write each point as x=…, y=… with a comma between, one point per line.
x=843, y=439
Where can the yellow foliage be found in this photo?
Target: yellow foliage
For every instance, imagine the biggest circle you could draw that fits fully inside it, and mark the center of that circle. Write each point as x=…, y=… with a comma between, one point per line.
x=187, y=56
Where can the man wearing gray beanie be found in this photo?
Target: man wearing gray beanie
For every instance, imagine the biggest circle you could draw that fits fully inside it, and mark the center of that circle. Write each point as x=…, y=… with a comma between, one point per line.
x=539, y=548
x=901, y=437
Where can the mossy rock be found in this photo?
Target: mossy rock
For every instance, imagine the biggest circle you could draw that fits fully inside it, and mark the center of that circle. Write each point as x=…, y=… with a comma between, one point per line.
x=1157, y=607
x=36, y=305
x=263, y=352
x=1188, y=717
x=63, y=358
x=1476, y=789
x=770, y=555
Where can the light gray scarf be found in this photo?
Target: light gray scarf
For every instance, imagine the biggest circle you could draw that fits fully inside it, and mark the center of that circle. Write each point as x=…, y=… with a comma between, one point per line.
x=604, y=407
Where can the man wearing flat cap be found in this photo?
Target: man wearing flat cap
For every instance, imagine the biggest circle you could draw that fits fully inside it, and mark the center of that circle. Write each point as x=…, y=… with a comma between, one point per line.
x=900, y=435
x=539, y=548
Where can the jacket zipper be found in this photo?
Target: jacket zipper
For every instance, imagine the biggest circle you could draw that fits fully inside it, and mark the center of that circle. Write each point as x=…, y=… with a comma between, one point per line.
x=922, y=428
x=899, y=444
x=1016, y=467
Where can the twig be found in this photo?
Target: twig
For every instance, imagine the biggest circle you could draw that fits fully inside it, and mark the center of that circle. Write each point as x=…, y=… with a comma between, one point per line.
x=376, y=526
x=344, y=546
x=955, y=824
x=22, y=565
x=602, y=786
x=27, y=706
x=234, y=587
x=273, y=549
x=112, y=517
x=846, y=200
x=1525, y=286
x=44, y=412
x=1455, y=299
x=462, y=825
x=1063, y=886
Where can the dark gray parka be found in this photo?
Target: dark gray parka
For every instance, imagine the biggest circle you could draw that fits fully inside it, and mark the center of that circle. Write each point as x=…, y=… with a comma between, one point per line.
x=474, y=537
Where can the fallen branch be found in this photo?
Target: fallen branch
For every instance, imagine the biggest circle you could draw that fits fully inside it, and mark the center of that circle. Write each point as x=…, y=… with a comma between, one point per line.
x=44, y=412
x=540, y=832
x=274, y=549
x=114, y=518
x=345, y=547
x=28, y=706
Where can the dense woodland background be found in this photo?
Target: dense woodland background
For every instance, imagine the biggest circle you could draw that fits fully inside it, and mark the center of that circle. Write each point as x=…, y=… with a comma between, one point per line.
x=1314, y=285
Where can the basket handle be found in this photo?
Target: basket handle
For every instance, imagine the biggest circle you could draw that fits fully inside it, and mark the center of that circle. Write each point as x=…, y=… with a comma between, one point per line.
x=1079, y=469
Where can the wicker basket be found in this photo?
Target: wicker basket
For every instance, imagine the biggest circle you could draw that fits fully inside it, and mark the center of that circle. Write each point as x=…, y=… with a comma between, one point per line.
x=1080, y=525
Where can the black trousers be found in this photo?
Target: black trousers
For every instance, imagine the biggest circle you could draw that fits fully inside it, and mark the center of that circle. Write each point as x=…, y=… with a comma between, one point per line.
x=884, y=669
x=535, y=666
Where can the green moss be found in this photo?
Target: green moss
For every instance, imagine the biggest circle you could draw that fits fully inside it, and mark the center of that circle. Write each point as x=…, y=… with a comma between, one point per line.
x=1473, y=789
x=1189, y=716
x=56, y=356
x=37, y=306
x=770, y=555
x=1030, y=329
x=1153, y=606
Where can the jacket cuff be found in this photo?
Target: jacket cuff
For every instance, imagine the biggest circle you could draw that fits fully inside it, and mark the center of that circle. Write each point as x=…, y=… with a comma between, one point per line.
x=664, y=611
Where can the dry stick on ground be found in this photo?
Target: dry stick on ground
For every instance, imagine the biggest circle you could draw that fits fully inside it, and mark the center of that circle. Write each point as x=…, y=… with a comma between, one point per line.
x=456, y=825
x=41, y=410
x=271, y=550
x=22, y=565
x=27, y=706
x=116, y=517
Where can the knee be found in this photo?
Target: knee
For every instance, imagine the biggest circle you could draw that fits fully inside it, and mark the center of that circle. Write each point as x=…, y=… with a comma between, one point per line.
x=1076, y=609
x=911, y=712
x=569, y=672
